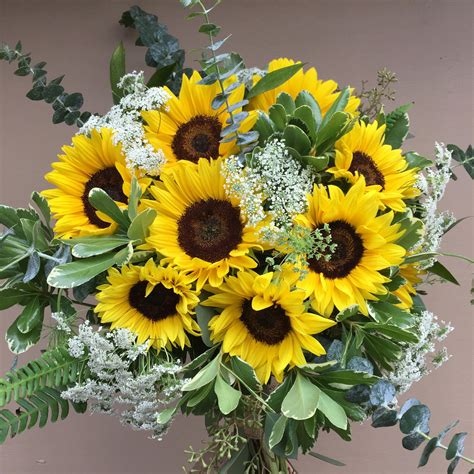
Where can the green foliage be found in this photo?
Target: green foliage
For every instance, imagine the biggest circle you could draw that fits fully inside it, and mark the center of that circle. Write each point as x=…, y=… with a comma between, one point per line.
x=464, y=158
x=117, y=71
x=54, y=368
x=66, y=106
x=44, y=405
x=397, y=123
x=413, y=419
x=274, y=79
x=163, y=50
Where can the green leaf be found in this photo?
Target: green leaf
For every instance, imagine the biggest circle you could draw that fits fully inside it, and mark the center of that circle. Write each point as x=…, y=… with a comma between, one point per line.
x=345, y=379
x=317, y=163
x=305, y=114
x=277, y=115
x=301, y=402
x=203, y=316
x=397, y=125
x=138, y=229
x=31, y=316
x=210, y=29
x=101, y=201
x=347, y=313
x=338, y=105
x=456, y=446
x=327, y=459
x=383, y=417
x=206, y=375
x=274, y=79
x=245, y=372
x=427, y=451
x=278, y=431
x=332, y=411
x=295, y=138
x=391, y=331
x=200, y=359
x=415, y=418
x=161, y=76
x=10, y=297
x=76, y=273
x=117, y=71
x=227, y=397
x=92, y=246
x=264, y=127
x=439, y=269
x=287, y=101
x=165, y=415
x=415, y=160
x=18, y=342
x=42, y=205
x=306, y=98
x=338, y=125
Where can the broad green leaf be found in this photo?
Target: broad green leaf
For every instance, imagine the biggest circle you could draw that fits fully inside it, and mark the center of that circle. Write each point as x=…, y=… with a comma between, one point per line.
x=227, y=397
x=317, y=163
x=10, y=297
x=76, y=273
x=278, y=431
x=31, y=316
x=18, y=342
x=301, y=402
x=295, y=138
x=204, y=376
x=327, y=459
x=245, y=372
x=287, y=101
x=345, y=379
x=165, y=415
x=415, y=160
x=138, y=229
x=117, y=71
x=264, y=127
x=339, y=124
x=439, y=269
x=305, y=114
x=101, y=201
x=393, y=332
x=274, y=79
x=347, y=313
x=397, y=125
x=278, y=116
x=98, y=246
x=332, y=411
x=306, y=98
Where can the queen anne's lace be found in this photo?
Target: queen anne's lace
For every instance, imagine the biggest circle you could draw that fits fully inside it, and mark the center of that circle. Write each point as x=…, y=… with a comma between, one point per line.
x=114, y=387
x=126, y=122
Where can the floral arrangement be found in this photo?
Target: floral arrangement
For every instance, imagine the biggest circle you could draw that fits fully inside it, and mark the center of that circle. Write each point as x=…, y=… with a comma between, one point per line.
x=243, y=244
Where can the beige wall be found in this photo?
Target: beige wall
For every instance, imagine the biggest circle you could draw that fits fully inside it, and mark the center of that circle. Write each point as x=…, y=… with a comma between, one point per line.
x=428, y=43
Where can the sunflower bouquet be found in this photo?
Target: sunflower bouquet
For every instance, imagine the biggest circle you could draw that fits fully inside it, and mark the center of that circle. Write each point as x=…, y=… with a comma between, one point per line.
x=242, y=244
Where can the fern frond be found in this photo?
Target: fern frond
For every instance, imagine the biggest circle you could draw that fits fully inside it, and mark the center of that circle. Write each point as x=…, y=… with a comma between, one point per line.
x=55, y=368
x=46, y=404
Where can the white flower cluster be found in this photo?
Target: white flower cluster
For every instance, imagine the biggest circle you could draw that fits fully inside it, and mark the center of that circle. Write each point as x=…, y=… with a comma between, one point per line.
x=272, y=183
x=120, y=384
x=126, y=122
x=414, y=365
x=433, y=185
x=61, y=322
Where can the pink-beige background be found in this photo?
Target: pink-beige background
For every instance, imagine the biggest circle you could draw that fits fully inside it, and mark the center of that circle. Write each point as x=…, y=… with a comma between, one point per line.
x=429, y=45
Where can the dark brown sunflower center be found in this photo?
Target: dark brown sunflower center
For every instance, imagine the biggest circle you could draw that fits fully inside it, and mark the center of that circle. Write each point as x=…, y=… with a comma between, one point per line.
x=348, y=252
x=111, y=182
x=210, y=229
x=364, y=164
x=197, y=138
x=159, y=304
x=270, y=325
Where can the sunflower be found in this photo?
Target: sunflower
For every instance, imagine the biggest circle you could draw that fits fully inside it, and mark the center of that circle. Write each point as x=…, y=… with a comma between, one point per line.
x=91, y=162
x=364, y=246
x=265, y=323
x=198, y=227
x=154, y=302
x=190, y=128
x=325, y=92
x=362, y=152
x=410, y=272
